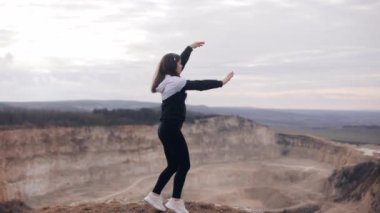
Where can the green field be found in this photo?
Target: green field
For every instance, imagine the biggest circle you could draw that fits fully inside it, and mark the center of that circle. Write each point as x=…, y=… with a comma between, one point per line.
x=352, y=134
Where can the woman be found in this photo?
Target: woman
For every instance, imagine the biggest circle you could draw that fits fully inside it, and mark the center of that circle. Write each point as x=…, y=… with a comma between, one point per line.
x=172, y=87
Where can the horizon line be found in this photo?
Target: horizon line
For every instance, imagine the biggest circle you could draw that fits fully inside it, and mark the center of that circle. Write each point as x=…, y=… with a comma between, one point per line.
x=215, y=106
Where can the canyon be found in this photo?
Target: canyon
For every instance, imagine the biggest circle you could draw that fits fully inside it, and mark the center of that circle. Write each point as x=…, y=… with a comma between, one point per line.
x=234, y=161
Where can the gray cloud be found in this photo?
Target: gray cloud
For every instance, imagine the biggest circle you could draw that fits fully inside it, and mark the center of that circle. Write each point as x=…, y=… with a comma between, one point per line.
x=357, y=4
x=6, y=37
x=62, y=80
x=70, y=6
x=6, y=60
x=284, y=53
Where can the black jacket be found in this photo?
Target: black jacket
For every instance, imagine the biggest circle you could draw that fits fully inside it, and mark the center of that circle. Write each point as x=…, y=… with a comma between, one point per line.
x=173, y=89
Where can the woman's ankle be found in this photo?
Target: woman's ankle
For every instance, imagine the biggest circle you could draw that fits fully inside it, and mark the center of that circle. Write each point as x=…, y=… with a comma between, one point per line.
x=155, y=194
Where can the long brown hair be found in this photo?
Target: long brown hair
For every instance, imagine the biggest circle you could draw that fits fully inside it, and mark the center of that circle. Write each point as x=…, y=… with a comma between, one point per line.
x=167, y=66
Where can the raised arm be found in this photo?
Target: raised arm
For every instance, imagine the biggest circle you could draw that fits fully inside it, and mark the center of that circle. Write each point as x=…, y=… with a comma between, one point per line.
x=202, y=84
x=207, y=84
x=185, y=55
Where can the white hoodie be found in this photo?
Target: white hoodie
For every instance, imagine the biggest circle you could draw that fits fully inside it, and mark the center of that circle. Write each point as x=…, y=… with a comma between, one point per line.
x=170, y=86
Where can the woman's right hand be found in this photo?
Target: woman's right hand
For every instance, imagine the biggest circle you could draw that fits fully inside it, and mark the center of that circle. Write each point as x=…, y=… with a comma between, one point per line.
x=197, y=44
x=228, y=77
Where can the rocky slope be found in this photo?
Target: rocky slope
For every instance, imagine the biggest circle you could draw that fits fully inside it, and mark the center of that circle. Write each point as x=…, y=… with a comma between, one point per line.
x=36, y=162
x=39, y=164
x=359, y=183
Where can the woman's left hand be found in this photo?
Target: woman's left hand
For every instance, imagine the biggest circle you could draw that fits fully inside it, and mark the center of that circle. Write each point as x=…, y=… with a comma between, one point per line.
x=197, y=44
x=228, y=78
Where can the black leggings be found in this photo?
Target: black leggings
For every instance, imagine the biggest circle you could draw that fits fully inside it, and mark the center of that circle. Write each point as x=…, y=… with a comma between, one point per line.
x=177, y=157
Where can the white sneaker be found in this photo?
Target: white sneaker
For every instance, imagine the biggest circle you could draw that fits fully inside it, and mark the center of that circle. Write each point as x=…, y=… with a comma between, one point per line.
x=178, y=206
x=155, y=201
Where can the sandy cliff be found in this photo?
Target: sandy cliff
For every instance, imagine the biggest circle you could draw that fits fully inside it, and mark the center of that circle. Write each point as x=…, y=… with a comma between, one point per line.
x=38, y=164
x=319, y=149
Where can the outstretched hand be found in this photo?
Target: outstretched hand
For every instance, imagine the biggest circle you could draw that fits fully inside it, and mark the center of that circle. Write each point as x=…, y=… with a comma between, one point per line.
x=197, y=44
x=228, y=77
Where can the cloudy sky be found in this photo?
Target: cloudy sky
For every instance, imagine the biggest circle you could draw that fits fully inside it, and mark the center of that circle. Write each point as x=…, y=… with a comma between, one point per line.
x=306, y=54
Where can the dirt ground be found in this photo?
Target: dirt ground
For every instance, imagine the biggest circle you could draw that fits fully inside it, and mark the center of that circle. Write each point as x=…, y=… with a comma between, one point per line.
x=255, y=185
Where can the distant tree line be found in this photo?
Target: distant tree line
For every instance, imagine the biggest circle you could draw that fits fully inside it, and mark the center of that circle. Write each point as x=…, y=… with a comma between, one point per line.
x=361, y=126
x=15, y=117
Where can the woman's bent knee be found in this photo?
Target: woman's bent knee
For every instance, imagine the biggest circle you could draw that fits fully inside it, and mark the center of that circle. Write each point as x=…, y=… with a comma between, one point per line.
x=184, y=167
x=172, y=169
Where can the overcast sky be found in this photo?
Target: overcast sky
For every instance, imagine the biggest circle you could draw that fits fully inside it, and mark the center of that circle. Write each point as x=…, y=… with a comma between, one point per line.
x=306, y=54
